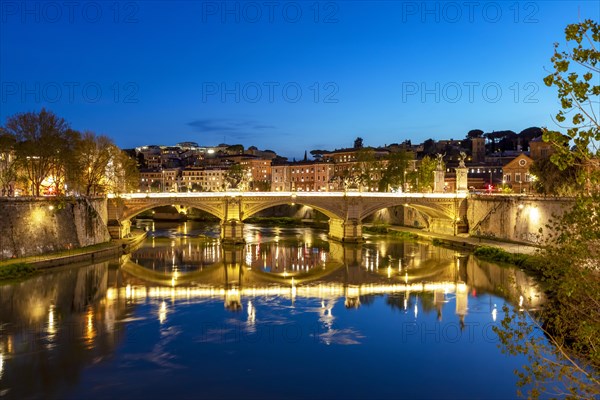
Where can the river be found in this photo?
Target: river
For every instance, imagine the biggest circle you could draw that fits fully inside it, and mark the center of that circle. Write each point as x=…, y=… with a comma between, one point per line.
x=288, y=315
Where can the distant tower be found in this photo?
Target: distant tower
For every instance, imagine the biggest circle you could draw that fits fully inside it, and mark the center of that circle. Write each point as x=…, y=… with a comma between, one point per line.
x=478, y=149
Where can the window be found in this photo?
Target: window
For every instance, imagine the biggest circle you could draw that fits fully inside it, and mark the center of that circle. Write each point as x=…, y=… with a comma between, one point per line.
x=517, y=177
x=507, y=178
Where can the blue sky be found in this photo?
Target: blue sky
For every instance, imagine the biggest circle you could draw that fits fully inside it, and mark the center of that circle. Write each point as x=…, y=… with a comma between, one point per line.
x=283, y=75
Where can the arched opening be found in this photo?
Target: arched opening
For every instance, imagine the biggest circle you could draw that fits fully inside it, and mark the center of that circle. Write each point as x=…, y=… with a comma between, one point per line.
x=287, y=214
x=294, y=205
x=420, y=216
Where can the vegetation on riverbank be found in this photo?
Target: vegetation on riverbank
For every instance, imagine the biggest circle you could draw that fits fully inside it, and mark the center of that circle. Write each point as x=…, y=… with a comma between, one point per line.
x=564, y=362
x=16, y=271
x=383, y=230
x=495, y=254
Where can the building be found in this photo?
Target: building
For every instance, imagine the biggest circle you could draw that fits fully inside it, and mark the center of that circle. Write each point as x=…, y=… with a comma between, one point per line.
x=151, y=180
x=516, y=174
x=203, y=179
x=308, y=176
x=478, y=150
x=260, y=170
x=538, y=149
x=281, y=180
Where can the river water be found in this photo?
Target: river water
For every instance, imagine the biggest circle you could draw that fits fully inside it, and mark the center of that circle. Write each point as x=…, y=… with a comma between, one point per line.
x=288, y=315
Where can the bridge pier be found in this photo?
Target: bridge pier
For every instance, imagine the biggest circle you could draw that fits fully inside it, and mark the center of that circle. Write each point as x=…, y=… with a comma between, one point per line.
x=232, y=232
x=119, y=229
x=347, y=231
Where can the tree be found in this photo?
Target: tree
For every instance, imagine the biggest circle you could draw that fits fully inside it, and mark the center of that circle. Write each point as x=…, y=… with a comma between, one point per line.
x=366, y=169
x=235, y=149
x=578, y=91
x=429, y=146
x=474, y=133
x=422, y=178
x=569, y=263
x=93, y=155
x=358, y=143
x=551, y=180
x=8, y=164
x=395, y=174
x=237, y=178
x=122, y=174
x=41, y=139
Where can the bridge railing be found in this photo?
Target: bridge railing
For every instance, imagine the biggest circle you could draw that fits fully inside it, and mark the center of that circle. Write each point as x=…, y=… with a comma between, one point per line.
x=186, y=195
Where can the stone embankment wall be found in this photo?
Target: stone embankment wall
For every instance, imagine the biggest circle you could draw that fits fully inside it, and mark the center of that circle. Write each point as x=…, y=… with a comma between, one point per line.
x=525, y=219
x=509, y=218
x=35, y=226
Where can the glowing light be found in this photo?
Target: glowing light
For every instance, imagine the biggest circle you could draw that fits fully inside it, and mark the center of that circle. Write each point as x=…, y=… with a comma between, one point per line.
x=251, y=313
x=521, y=301
x=37, y=215
x=534, y=214
x=50, y=208
x=389, y=272
x=1, y=364
x=162, y=312
x=90, y=332
x=51, y=322
x=494, y=313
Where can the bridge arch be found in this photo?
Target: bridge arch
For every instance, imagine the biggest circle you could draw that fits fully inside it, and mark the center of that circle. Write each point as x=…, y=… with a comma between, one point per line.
x=133, y=211
x=253, y=209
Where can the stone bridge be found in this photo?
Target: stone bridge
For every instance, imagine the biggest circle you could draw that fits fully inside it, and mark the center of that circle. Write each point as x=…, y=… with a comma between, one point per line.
x=346, y=211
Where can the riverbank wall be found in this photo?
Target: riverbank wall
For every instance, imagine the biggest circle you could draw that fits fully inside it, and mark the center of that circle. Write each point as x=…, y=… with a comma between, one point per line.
x=35, y=226
x=510, y=218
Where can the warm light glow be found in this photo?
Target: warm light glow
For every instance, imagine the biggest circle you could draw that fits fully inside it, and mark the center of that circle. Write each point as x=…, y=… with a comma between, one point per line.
x=251, y=313
x=534, y=215
x=90, y=332
x=1, y=363
x=51, y=322
x=162, y=312
x=38, y=215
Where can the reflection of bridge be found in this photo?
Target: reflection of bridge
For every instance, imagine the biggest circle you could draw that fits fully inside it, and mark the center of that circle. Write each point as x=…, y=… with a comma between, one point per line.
x=346, y=211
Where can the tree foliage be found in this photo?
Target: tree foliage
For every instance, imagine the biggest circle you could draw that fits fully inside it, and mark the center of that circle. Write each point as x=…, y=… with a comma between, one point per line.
x=565, y=361
x=578, y=91
x=394, y=176
x=422, y=178
x=237, y=178
x=551, y=180
x=51, y=158
x=8, y=164
x=40, y=145
x=358, y=143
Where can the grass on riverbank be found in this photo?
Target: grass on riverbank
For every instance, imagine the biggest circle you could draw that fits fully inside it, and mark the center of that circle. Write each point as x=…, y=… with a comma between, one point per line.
x=490, y=253
x=16, y=271
x=383, y=230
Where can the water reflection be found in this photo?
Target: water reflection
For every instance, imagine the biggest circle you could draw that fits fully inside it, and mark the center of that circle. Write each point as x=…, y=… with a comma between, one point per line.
x=59, y=323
